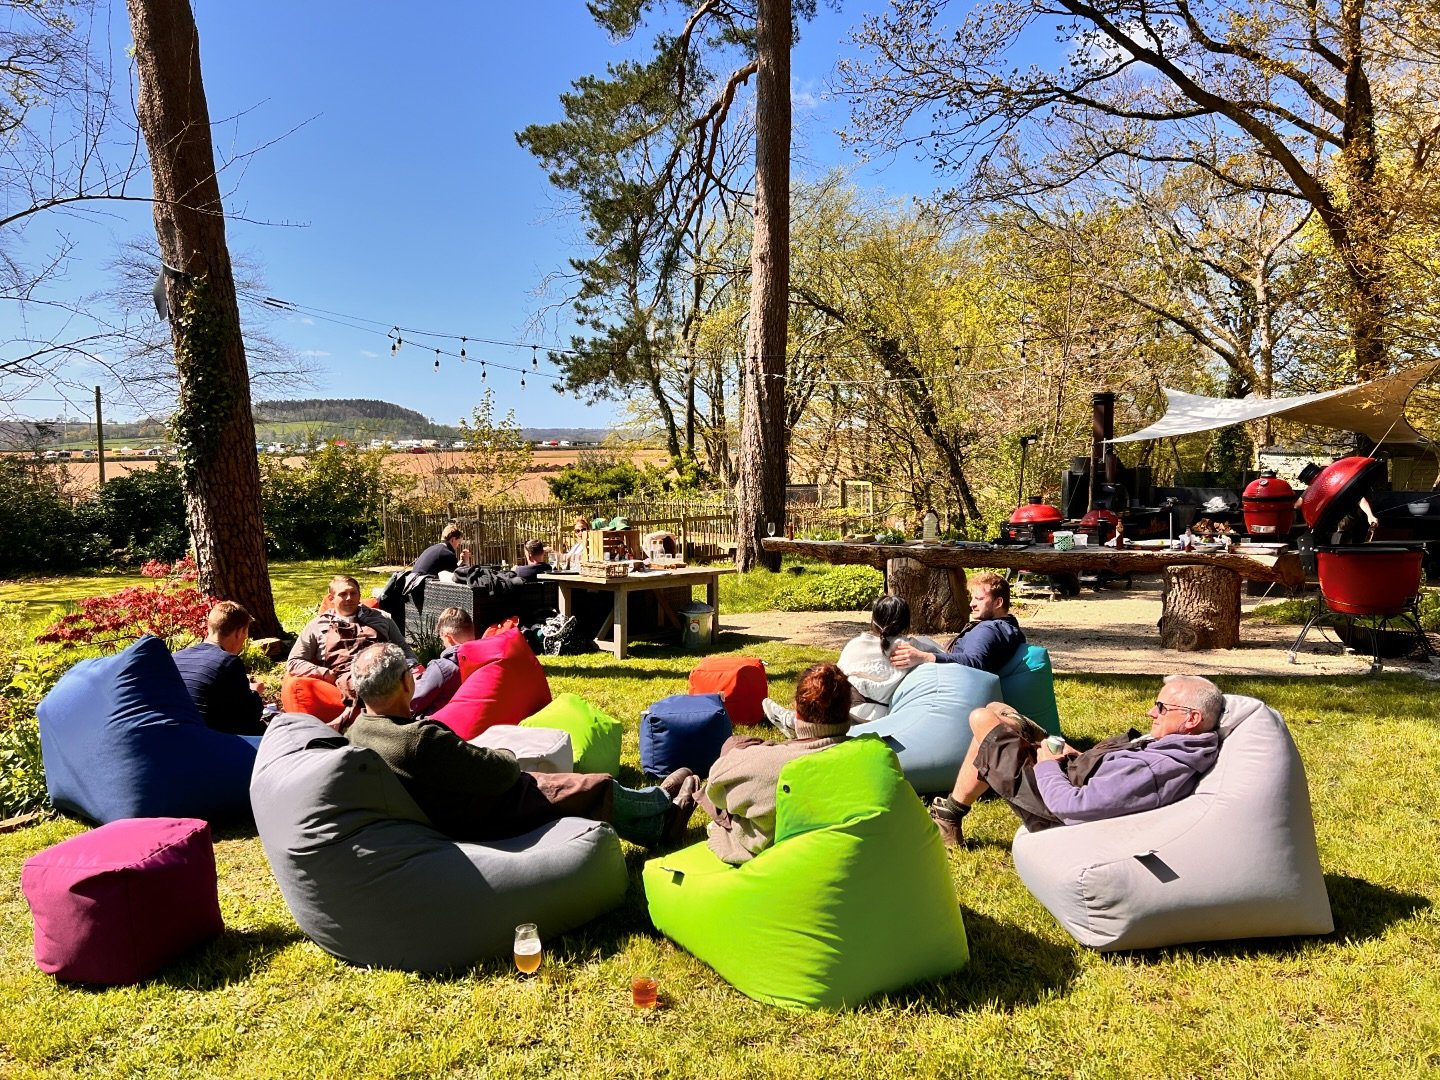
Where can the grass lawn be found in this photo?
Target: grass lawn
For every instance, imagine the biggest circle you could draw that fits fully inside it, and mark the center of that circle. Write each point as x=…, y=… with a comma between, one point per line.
x=263, y=1001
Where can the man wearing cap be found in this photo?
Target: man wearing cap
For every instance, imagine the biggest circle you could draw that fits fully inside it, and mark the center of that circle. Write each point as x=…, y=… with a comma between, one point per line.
x=448, y=554
x=1122, y=775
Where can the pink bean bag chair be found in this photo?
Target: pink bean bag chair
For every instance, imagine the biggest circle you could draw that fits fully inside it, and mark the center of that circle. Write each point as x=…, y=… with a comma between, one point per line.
x=117, y=904
x=503, y=683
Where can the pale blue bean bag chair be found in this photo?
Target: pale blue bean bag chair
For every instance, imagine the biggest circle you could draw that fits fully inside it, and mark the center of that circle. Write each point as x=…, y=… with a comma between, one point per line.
x=1027, y=684
x=121, y=738
x=928, y=725
x=372, y=882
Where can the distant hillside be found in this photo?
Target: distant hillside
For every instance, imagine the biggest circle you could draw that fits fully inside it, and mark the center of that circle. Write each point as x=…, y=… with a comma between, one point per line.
x=333, y=410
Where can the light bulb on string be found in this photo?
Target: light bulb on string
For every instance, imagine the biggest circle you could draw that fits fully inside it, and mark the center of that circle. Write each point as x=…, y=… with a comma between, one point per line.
x=534, y=362
x=462, y=348
x=522, y=382
x=957, y=359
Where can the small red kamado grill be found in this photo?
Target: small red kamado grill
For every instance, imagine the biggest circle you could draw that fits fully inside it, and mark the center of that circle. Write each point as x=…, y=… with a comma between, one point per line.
x=1033, y=523
x=1379, y=583
x=1099, y=525
x=1268, y=504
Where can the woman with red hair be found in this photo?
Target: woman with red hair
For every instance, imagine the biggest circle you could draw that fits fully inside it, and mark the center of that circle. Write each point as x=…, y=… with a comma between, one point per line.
x=740, y=793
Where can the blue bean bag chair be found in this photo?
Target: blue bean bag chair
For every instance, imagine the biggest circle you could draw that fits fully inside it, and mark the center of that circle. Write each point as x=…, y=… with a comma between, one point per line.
x=683, y=730
x=372, y=882
x=928, y=725
x=1027, y=684
x=854, y=897
x=121, y=738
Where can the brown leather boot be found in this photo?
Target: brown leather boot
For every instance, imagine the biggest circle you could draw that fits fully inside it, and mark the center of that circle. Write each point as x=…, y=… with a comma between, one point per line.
x=947, y=815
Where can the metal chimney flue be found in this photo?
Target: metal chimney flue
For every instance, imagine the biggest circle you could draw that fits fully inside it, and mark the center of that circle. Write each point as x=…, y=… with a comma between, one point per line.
x=1102, y=458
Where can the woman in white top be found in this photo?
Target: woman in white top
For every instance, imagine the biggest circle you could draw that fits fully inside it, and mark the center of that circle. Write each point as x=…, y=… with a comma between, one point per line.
x=865, y=660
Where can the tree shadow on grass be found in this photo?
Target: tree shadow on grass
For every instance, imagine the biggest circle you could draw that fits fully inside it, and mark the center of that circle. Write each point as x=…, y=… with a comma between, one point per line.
x=1009, y=968
x=1363, y=911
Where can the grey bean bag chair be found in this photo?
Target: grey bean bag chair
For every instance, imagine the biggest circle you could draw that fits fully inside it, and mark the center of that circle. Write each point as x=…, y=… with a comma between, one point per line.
x=1237, y=859
x=372, y=882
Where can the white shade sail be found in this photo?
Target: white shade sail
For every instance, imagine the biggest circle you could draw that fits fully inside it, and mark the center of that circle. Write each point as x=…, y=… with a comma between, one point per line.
x=1375, y=409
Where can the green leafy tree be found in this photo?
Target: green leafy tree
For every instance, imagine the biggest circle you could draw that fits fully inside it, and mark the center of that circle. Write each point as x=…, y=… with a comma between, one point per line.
x=1327, y=99
x=497, y=454
x=650, y=154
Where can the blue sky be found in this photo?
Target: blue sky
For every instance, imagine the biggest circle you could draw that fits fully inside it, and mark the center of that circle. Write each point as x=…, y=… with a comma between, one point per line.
x=400, y=195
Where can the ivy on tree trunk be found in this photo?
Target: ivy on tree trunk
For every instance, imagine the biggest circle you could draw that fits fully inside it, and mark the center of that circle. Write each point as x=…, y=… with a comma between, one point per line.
x=213, y=426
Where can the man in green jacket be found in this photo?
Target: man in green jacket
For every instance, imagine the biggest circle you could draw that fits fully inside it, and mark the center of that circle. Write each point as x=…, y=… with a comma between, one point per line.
x=475, y=793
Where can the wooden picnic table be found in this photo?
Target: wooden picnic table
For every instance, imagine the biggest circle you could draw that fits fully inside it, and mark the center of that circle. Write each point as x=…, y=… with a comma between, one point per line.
x=614, y=635
x=1200, y=609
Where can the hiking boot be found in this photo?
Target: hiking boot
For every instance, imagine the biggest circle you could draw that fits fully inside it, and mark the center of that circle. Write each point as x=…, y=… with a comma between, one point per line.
x=673, y=784
x=781, y=718
x=947, y=816
x=677, y=822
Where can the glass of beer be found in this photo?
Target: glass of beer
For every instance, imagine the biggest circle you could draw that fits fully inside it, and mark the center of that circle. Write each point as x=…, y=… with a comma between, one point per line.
x=527, y=948
x=643, y=992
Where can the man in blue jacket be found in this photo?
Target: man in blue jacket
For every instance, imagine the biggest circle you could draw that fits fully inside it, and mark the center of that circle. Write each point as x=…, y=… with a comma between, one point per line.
x=990, y=639
x=1121, y=775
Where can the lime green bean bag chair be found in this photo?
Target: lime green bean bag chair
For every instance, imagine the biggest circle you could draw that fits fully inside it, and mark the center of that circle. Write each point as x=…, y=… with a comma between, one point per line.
x=853, y=899
x=594, y=736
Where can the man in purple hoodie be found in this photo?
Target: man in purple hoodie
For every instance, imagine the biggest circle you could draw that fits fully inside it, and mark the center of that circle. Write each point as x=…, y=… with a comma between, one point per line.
x=1121, y=775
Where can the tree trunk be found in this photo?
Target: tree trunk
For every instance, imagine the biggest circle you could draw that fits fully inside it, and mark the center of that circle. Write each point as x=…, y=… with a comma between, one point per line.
x=213, y=426
x=938, y=598
x=1200, y=608
x=760, y=496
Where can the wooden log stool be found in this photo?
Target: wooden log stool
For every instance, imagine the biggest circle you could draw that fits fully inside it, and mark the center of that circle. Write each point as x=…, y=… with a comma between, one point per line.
x=1200, y=608
x=939, y=598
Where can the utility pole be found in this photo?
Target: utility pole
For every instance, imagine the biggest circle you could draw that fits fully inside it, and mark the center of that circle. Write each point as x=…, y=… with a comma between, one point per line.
x=99, y=437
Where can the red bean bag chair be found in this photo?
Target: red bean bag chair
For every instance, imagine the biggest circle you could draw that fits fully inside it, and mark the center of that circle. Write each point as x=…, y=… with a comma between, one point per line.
x=307, y=694
x=503, y=684
x=739, y=680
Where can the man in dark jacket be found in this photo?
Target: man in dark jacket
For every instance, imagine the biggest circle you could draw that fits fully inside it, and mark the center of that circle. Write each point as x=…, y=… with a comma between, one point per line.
x=474, y=793
x=535, y=562
x=448, y=554
x=1122, y=775
x=989, y=640
x=213, y=673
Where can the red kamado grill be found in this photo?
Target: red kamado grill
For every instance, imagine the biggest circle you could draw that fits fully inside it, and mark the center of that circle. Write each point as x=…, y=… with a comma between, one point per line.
x=1377, y=582
x=1033, y=523
x=1269, y=507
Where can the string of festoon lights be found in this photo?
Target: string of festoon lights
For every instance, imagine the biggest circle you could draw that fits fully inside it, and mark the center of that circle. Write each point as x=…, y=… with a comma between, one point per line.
x=438, y=345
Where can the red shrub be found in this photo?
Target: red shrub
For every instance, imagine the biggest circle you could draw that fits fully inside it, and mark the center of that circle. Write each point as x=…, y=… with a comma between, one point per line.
x=170, y=609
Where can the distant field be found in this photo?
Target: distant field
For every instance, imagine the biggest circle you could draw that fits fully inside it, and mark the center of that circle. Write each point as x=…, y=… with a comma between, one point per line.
x=85, y=475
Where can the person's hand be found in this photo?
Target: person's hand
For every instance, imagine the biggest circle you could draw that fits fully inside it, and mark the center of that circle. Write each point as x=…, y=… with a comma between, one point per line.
x=465, y=556
x=1043, y=753
x=906, y=655
x=257, y=686
x=330, y=676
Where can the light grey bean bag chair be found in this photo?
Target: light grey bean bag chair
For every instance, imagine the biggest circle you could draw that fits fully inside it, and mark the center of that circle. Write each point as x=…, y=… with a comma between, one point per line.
x=372, y=882
x=1237, y=859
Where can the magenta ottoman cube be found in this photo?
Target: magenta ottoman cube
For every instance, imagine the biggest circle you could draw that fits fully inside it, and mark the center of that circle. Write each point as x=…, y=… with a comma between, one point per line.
x=117, y=904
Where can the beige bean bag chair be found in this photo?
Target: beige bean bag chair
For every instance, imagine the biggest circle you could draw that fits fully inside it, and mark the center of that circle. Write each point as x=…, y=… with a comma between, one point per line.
x=1237, y=859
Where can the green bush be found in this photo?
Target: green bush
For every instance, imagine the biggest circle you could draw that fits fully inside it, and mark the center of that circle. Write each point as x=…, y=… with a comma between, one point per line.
x=22, y=772
x=40, y=526
x=843, y=588
x=330, y=505
x=137, y=517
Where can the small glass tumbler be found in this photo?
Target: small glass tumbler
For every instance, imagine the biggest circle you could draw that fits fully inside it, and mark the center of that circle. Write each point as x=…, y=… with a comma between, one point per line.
x=644, y=993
